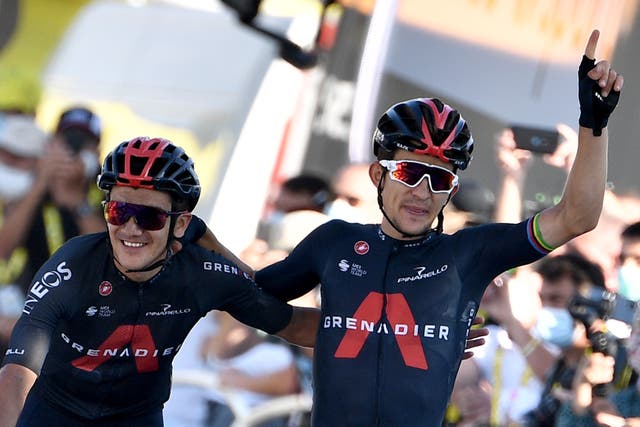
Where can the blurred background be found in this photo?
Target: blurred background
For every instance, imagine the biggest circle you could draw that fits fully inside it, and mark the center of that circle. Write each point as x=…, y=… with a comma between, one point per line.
x=192, y=72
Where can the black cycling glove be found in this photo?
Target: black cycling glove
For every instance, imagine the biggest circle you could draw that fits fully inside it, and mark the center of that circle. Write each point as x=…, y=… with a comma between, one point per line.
x=194, y=231
x=594, y=109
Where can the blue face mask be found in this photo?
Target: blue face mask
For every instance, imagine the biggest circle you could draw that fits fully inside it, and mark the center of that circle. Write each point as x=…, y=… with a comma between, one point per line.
x=555, y=326
x=629, y=282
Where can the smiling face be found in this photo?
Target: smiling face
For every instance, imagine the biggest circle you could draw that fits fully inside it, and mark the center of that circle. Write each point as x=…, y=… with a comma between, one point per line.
x=413, y=210
x=134, y=247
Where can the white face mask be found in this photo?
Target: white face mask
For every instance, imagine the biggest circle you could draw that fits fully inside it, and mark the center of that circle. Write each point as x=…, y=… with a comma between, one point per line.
x=555, y=326
x=341, y=209
x=91, y=163
x=14, y=182
x=629, y=282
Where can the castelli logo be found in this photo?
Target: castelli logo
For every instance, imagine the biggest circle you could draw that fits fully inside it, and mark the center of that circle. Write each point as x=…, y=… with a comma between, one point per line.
x=105, y=288
x=361, y=247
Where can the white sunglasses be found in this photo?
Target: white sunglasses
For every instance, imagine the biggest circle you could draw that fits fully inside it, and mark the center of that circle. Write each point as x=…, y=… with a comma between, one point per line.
x=411, y=173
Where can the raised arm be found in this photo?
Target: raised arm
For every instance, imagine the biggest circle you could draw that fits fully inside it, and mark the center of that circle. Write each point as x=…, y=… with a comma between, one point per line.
x=581, y=203
x=15, y=383
x=513, y=165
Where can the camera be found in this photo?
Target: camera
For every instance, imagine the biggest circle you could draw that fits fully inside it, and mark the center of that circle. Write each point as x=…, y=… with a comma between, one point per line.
x=589, y=307
x=617, y=314
x=615, y=310
x=76, y=139
x=588, y=310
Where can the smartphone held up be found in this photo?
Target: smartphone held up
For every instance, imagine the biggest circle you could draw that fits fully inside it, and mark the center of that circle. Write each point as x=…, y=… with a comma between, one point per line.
x=536, y=139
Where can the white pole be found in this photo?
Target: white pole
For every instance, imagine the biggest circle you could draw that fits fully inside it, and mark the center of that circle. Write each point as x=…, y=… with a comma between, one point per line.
x=372, y=63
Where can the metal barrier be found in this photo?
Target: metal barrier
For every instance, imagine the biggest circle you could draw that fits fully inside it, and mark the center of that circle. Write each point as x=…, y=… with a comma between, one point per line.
x=245, y=416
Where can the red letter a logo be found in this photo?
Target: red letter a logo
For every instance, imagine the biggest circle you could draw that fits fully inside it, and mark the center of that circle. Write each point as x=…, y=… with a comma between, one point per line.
x=142, y=347
x=400, y=318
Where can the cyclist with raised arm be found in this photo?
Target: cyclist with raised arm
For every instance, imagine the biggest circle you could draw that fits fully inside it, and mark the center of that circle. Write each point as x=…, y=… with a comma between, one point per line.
x=398, y=298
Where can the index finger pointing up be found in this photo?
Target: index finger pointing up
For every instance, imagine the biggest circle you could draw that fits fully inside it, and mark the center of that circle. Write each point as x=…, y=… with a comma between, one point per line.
x=590, y=50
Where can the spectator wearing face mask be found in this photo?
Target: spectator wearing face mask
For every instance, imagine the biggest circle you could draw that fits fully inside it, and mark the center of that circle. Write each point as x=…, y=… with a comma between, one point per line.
x=80, y=130
x=629, y=263
x=45, y=197
x=534, y=342
x=621, y=408
x=21, y=145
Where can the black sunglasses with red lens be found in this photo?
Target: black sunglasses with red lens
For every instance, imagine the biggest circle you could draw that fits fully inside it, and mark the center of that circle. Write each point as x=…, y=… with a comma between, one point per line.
x=147, y=217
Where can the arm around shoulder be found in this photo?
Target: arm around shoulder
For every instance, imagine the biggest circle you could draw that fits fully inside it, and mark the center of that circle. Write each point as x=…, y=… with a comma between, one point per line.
x=199, y=232
x=15, y=383
x=303, y=327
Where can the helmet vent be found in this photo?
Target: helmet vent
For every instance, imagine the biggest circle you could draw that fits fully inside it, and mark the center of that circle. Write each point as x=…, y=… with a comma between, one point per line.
x=152, y=163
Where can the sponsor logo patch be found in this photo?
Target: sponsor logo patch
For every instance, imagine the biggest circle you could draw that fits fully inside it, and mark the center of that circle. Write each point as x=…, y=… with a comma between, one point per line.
x=105, y=288
x=361, y=247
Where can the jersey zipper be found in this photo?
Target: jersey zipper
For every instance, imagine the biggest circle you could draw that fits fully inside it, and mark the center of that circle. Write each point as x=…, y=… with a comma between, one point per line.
x=381, y=352
x=139, y=317
x=140, y=303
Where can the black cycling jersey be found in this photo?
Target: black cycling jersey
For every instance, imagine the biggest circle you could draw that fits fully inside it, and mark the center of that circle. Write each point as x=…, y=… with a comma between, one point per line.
x=395, y=314
x=103, y=345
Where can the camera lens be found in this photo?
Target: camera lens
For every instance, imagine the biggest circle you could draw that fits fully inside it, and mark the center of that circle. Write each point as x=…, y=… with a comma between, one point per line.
x=76, y=139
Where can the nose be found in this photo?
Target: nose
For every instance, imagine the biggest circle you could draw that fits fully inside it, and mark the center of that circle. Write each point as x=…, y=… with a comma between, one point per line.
x=131, y=226
x=422, y=190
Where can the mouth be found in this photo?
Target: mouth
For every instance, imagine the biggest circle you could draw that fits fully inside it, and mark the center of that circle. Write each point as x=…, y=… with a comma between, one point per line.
x=416, y=210
x=130, y=244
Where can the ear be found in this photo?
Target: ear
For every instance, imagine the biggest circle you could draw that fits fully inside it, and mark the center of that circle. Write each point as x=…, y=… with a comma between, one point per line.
x=181, y=225
x=375, y=173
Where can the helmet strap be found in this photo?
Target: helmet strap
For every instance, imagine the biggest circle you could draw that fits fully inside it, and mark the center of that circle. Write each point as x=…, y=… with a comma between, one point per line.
x=150, y=267
x=161, y=262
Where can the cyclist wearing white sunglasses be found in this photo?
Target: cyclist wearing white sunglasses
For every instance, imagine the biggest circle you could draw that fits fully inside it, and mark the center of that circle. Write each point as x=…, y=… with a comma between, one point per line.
x=398, y=298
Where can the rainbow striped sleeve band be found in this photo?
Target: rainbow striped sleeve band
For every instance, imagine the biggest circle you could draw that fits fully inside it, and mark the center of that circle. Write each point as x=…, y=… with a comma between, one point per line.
x=535, y=236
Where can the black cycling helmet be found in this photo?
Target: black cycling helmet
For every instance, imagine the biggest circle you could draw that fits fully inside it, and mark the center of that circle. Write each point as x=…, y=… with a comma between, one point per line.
x=152, y=163
x=425, y=126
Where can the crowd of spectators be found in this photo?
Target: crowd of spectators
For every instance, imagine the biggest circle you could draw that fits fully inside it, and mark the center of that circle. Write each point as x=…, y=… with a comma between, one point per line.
x=562, y=329
x=47, y=196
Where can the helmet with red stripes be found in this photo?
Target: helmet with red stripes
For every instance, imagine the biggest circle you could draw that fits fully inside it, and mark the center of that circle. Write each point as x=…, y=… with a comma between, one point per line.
x=425, y=126
x=152, y=163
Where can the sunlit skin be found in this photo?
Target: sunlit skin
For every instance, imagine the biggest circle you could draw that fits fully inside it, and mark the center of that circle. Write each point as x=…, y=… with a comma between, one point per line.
x=413, y=210
x=135, y=247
